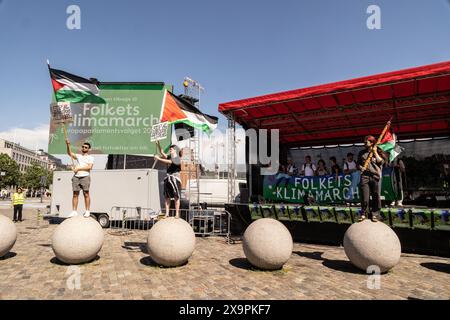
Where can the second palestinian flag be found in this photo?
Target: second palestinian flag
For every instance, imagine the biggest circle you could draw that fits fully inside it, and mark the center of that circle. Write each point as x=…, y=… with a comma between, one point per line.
x=177, y=110
x=71, y=88
x=389, y=145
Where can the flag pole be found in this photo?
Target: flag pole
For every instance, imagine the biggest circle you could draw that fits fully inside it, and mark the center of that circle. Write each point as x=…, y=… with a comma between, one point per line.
x=154, y=159
x=67, y=139
x=64, y=123
x=154, y=162
x=386, y=127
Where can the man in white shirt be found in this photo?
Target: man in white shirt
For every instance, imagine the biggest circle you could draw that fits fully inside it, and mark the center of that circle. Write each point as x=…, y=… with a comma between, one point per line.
x=308, y=167
x=81, y=179
x=350, y=164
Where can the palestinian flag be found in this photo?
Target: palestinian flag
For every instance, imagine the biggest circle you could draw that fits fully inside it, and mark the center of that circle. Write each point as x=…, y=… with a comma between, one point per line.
x=177, y=110
x=72, y=88
x=389, y=144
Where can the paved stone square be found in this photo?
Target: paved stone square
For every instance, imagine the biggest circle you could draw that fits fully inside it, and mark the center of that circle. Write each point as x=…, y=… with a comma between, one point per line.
x=216, y=270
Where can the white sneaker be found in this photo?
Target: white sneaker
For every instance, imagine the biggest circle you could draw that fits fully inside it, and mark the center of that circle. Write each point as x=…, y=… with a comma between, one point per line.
x=87, y=214
x=73, y=214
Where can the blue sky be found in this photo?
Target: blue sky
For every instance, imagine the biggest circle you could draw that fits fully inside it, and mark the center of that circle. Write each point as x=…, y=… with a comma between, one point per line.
x=235, y=49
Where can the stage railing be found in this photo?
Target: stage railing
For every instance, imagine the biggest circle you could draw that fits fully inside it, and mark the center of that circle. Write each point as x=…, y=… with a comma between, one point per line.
x=420, y=218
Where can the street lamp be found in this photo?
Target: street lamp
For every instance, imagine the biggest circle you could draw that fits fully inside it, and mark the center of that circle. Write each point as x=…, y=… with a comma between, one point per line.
x=188, y=82
x=43, y=182
x=2, y=173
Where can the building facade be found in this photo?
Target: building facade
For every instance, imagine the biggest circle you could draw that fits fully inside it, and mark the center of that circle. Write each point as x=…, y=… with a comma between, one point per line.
x=25, y=157
x=53, y=163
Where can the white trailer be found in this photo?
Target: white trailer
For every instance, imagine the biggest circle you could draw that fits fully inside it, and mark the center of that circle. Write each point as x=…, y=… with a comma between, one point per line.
x=132, y=188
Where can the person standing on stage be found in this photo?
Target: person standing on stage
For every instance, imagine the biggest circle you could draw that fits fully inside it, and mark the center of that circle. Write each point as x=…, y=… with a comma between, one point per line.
x=308, y=167
x=81, y=179
x=350, y=168
x=370, y=179
x=282, y=176
x=172, y=181
x=335, y=167
x=17, y=200
x=349, y=164
x=322, y=170
x=400, y=176
x=291, y=169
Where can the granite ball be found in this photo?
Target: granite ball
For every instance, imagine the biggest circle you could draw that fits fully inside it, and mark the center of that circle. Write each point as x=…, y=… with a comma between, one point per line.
x=8, y=235
x=171, y=242
x=77, y=240
x=370, y=243
x=267, y=244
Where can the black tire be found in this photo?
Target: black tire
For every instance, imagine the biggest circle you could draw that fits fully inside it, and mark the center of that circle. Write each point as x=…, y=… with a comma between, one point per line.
x=103, y=219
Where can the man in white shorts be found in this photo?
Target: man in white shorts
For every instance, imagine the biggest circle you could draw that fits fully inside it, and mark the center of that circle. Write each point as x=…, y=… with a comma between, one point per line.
x=81, y=179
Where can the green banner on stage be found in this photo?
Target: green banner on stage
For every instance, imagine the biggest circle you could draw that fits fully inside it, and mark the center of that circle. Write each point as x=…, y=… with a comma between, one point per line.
x=323, y=189
x=122, y=125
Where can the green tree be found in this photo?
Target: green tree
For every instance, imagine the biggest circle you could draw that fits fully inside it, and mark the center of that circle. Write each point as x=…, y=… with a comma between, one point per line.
x=11, y=169
x=32, y=177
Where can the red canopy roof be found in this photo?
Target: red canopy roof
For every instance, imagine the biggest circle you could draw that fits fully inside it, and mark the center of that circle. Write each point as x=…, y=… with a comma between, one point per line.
x=345, y=111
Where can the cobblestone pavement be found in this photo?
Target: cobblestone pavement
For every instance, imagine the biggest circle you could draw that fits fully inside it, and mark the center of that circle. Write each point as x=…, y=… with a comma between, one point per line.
x=216, y=270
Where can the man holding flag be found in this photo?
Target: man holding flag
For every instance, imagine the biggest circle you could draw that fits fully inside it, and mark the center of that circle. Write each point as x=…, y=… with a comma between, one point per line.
x=176, y=110
x=81, y=179
x=71, y=88
x=370, y=164
x=172, y=181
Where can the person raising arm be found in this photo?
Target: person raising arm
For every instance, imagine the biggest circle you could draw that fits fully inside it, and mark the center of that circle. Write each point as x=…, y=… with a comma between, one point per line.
x=172, y=181
x=370, y=179
x=81, y=179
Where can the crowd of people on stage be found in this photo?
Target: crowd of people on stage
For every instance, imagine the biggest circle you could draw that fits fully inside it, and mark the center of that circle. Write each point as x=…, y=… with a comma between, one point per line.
x=366, y=174
x=309, y=169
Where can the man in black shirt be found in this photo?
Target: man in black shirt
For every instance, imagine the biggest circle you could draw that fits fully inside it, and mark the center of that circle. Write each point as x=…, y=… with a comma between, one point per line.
x=370, y=179
x=172, y=181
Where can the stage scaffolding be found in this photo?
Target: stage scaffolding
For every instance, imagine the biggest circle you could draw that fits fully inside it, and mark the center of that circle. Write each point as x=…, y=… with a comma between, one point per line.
x=192, y=92
x=231, y=133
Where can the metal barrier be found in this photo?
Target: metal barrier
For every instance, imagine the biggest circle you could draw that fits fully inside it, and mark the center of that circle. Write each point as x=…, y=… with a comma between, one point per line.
x=124, y=219
x=204, y=222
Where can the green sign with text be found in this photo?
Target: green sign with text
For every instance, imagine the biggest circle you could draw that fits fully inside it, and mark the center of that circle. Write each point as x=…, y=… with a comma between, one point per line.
x=323, y=189
x=122, y=125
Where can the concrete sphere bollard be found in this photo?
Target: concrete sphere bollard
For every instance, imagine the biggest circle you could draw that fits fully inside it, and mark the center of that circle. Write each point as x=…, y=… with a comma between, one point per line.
x=77, y=240
x=8, y=235
x=370, y=243
x=171, y=242
x=267, y=244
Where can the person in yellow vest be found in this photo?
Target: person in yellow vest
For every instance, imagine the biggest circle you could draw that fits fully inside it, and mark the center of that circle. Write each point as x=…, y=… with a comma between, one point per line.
x=18, y=198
